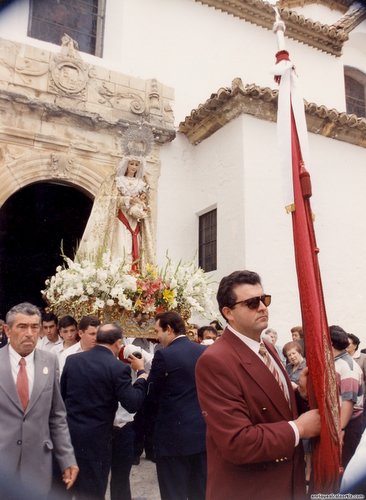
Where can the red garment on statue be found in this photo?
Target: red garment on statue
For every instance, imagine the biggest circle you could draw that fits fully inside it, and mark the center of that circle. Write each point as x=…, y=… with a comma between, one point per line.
x=135, y=241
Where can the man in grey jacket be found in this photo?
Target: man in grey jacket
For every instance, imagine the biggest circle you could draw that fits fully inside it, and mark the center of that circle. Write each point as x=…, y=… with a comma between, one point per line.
x=33, y=416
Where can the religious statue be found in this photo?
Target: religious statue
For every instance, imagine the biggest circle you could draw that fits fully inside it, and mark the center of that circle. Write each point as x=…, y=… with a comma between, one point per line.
x=120, y=220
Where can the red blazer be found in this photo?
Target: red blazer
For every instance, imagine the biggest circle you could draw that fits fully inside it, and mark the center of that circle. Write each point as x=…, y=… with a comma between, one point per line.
x=250, y=445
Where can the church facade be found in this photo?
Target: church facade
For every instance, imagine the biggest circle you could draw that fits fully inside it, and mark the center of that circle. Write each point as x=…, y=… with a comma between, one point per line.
x=200, y=74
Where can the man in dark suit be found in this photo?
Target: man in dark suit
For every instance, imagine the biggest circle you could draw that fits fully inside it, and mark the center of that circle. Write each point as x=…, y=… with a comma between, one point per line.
x=92, y=384
x=253, y=431
x=33, y=416
x=179, y=434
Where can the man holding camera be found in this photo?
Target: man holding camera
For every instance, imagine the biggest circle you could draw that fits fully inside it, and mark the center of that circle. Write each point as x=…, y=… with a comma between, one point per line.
x=92, y=384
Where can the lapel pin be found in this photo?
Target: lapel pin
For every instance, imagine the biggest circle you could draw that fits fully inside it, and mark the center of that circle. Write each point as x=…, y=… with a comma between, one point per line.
x=45, y=370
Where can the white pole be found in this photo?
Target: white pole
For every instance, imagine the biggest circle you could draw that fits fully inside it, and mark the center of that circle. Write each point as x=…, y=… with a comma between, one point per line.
x=279, y=28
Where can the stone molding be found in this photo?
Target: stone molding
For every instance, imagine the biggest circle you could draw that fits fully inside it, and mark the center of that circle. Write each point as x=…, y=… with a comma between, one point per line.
x=327, y=38
x=63, y=83
x=341, y=5
x=261, y=102
x=64, y=120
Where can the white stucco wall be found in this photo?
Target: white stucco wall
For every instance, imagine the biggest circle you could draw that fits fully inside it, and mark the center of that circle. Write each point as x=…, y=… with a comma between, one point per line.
x=195, y=49
x=237, y=170
x=196, y=179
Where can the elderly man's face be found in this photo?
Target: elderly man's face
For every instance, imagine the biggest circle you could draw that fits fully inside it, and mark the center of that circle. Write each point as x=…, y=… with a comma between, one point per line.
x=23, y=333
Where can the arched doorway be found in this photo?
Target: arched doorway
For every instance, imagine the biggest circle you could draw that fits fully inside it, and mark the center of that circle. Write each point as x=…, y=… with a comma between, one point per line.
x=34, y=223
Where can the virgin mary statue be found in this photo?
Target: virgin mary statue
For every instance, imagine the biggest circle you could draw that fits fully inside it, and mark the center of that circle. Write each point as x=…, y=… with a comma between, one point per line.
x=120, y=220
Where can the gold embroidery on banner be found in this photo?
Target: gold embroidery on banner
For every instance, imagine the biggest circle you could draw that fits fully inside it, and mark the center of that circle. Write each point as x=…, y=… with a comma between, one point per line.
x=331, y=397
x=290, y=208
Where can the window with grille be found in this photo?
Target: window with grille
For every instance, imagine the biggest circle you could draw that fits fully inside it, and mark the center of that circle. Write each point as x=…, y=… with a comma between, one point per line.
x=355, y=85
x=208, y=241
x=82, y=20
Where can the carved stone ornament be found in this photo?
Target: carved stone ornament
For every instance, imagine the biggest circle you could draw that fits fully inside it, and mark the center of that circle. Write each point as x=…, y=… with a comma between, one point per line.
x=61, y=165
x=137, y=140
x=69, y=75
x=116, y=99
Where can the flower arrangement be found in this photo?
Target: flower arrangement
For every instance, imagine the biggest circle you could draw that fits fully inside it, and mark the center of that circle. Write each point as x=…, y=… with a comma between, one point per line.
x=110, y=289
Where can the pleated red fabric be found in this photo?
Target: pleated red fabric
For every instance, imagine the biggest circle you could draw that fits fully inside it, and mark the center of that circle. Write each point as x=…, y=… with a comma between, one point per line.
x=322, y=388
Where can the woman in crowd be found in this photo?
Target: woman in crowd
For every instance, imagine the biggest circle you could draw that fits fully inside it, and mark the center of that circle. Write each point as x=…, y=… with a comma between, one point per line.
x=296, y=363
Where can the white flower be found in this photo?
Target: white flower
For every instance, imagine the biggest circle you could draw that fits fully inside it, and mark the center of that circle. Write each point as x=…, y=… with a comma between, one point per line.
x=99, y=304
x=96, y=285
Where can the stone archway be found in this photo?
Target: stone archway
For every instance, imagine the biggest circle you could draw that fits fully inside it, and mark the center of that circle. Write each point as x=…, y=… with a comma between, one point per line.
x=34, y=222
x=59, y=130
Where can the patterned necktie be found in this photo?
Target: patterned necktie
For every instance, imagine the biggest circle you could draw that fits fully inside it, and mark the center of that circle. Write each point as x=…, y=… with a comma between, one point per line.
x=270, y=364
x=22, y=384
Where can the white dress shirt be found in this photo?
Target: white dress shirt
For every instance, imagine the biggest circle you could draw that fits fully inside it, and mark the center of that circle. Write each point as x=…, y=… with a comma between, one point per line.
x=62, y=355
x=14, y=363
x=47, y=345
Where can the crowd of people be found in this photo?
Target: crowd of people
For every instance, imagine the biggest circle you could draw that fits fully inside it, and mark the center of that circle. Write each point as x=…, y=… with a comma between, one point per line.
x=222, y=412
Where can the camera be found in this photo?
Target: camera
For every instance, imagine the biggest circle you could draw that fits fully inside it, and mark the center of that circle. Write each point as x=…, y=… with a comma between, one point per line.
x=137, y=354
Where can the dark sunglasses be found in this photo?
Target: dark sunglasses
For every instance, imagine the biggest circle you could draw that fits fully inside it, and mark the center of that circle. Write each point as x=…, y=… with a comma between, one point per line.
x=253, y=303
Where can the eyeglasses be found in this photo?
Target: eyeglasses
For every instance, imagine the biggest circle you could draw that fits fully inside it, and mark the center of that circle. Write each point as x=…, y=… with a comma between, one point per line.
x=253, y=303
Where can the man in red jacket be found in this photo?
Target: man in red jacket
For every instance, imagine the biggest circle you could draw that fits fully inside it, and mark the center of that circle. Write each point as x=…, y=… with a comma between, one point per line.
x=253, y=431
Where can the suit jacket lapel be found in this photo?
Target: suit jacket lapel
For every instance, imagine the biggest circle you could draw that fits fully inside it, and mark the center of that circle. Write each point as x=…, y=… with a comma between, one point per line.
x=6, y=378
x=277, y=359
x=41, y=374
x=256, y=369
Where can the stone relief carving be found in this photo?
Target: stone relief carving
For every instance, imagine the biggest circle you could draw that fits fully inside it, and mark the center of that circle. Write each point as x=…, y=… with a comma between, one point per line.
x=115, y=99
x=9, y=153
x=8, y=54
x=168, y=111
x=59, y=130
x=69, y=74
x=154, y=95
x=70, y=47
x=27, y=69
x=61, y=165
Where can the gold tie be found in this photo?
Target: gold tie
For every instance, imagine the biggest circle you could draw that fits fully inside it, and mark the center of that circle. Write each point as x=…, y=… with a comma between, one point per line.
x=270, y=364
x=22, y=384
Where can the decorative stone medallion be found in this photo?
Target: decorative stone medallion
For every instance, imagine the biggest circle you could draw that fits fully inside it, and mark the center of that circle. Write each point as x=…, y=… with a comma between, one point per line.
x=69, y=76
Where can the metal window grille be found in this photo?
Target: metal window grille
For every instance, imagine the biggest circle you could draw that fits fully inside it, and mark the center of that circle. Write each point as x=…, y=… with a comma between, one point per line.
x=355, y=96
x=82, y=20
x=207, y=253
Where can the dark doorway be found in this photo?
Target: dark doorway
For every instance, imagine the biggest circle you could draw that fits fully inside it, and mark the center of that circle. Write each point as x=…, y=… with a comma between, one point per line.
x=34, y=223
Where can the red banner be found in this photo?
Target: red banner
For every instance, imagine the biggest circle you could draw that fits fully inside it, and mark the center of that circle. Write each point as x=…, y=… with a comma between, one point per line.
x=322, y=388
